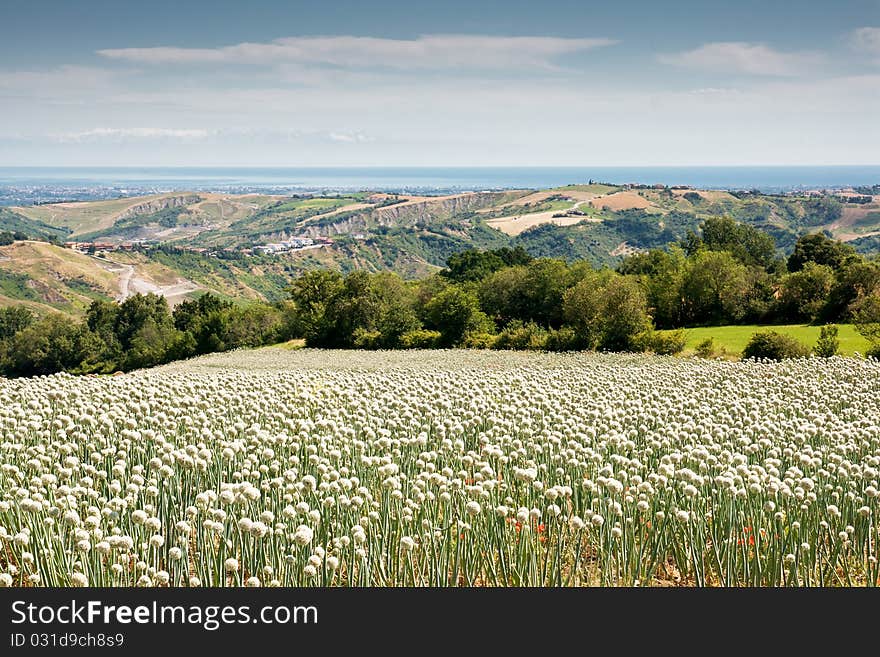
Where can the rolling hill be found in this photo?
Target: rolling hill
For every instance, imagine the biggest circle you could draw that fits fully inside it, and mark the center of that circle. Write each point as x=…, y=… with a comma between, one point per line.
x=183, y=242
x=44, y=276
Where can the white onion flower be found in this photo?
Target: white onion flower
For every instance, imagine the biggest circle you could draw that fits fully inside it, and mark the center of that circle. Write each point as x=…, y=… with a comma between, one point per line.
x=303, y=535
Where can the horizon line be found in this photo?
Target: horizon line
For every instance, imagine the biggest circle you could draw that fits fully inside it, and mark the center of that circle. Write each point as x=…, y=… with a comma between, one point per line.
x=427, y=166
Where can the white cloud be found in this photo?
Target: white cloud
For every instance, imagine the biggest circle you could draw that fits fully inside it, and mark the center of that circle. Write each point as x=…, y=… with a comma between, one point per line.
x=121, y=134
x=867, y=39
x=433, y=51
x=234, y=135
x=52, y=82
x=290, y=112
x=350, y=137
x=744, y=58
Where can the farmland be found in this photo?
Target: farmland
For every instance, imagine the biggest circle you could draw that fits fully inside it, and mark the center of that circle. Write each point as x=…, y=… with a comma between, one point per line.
x=444, y=468
x=733, y=339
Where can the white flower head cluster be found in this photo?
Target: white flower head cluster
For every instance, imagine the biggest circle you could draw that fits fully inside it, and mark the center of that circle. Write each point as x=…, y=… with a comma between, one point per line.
x=418, y=468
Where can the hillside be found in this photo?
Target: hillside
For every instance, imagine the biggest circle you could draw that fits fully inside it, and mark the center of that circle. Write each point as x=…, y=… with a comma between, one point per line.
x=44, y=276
x=182, y=242
x=17, y=222
x=240, y=221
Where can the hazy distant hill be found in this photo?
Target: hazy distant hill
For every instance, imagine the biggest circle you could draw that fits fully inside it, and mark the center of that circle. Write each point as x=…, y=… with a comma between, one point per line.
x=190, y=241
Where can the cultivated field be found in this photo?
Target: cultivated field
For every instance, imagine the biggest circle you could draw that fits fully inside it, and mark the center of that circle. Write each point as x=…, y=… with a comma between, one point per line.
x=519, y=223
x=622, y=201
x=461, y=468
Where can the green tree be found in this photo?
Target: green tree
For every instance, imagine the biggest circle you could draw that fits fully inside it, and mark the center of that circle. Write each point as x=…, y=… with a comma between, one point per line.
x=101, y=316
x=367, y=310
x=662, y=283
x=136, y=312
x=866, y=317
x=104, y=353
x=820, y=249
x=759, y=299
x=397, y=315
x=310, y=294
x=854, y=281
x=206, y=320
x=254, y=325
x=150, y=344
x=14, y=319
x=713, y=288
x=625, y=315
x=827, y=345
x=746, y=243
x=805, y=292
x=474, y=265
x=607, y=311
x=501, y=294
x=582, y=308
x=541, y=292
x=455, y=312
x=44, y=347
x=356, y=305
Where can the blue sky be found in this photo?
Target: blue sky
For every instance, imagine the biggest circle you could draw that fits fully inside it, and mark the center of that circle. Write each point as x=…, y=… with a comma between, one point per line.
x=96, y=82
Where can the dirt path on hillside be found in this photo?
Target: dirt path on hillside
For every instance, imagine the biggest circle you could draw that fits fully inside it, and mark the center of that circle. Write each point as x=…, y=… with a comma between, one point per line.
x=130, y=284
x=345, y=208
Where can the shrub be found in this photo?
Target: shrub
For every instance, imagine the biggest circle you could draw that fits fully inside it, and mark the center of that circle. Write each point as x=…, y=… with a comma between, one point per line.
x=827, y=345
x=455, y=312
x=866, y=316
x=519, y=335
x=665, y=343
x=479, y=340
x=774, y=346
x=364, y=339
x=420, y=339
x=562, y=339
x=706, y=349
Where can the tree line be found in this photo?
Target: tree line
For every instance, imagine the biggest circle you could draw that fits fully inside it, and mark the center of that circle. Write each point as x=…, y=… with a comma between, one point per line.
x=724, y=273
x=141, y=331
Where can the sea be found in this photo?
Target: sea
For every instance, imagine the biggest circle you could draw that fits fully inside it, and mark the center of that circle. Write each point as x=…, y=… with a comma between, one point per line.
x=26, y=185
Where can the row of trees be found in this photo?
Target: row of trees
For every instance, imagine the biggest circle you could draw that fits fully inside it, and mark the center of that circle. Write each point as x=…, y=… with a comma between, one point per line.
x=727, y=273
x=533, y=305
x=139, y=332
x=730, y=275
x=8, y=237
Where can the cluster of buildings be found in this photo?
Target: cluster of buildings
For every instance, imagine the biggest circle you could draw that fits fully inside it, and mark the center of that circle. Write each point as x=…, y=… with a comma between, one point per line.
x=292, y=244
x=98, y=247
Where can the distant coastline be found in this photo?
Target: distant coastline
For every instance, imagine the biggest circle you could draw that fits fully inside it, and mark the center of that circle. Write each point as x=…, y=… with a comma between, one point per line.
x=51, y=183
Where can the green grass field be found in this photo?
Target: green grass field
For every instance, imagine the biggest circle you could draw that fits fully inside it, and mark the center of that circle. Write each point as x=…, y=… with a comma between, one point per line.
x=734, y=338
